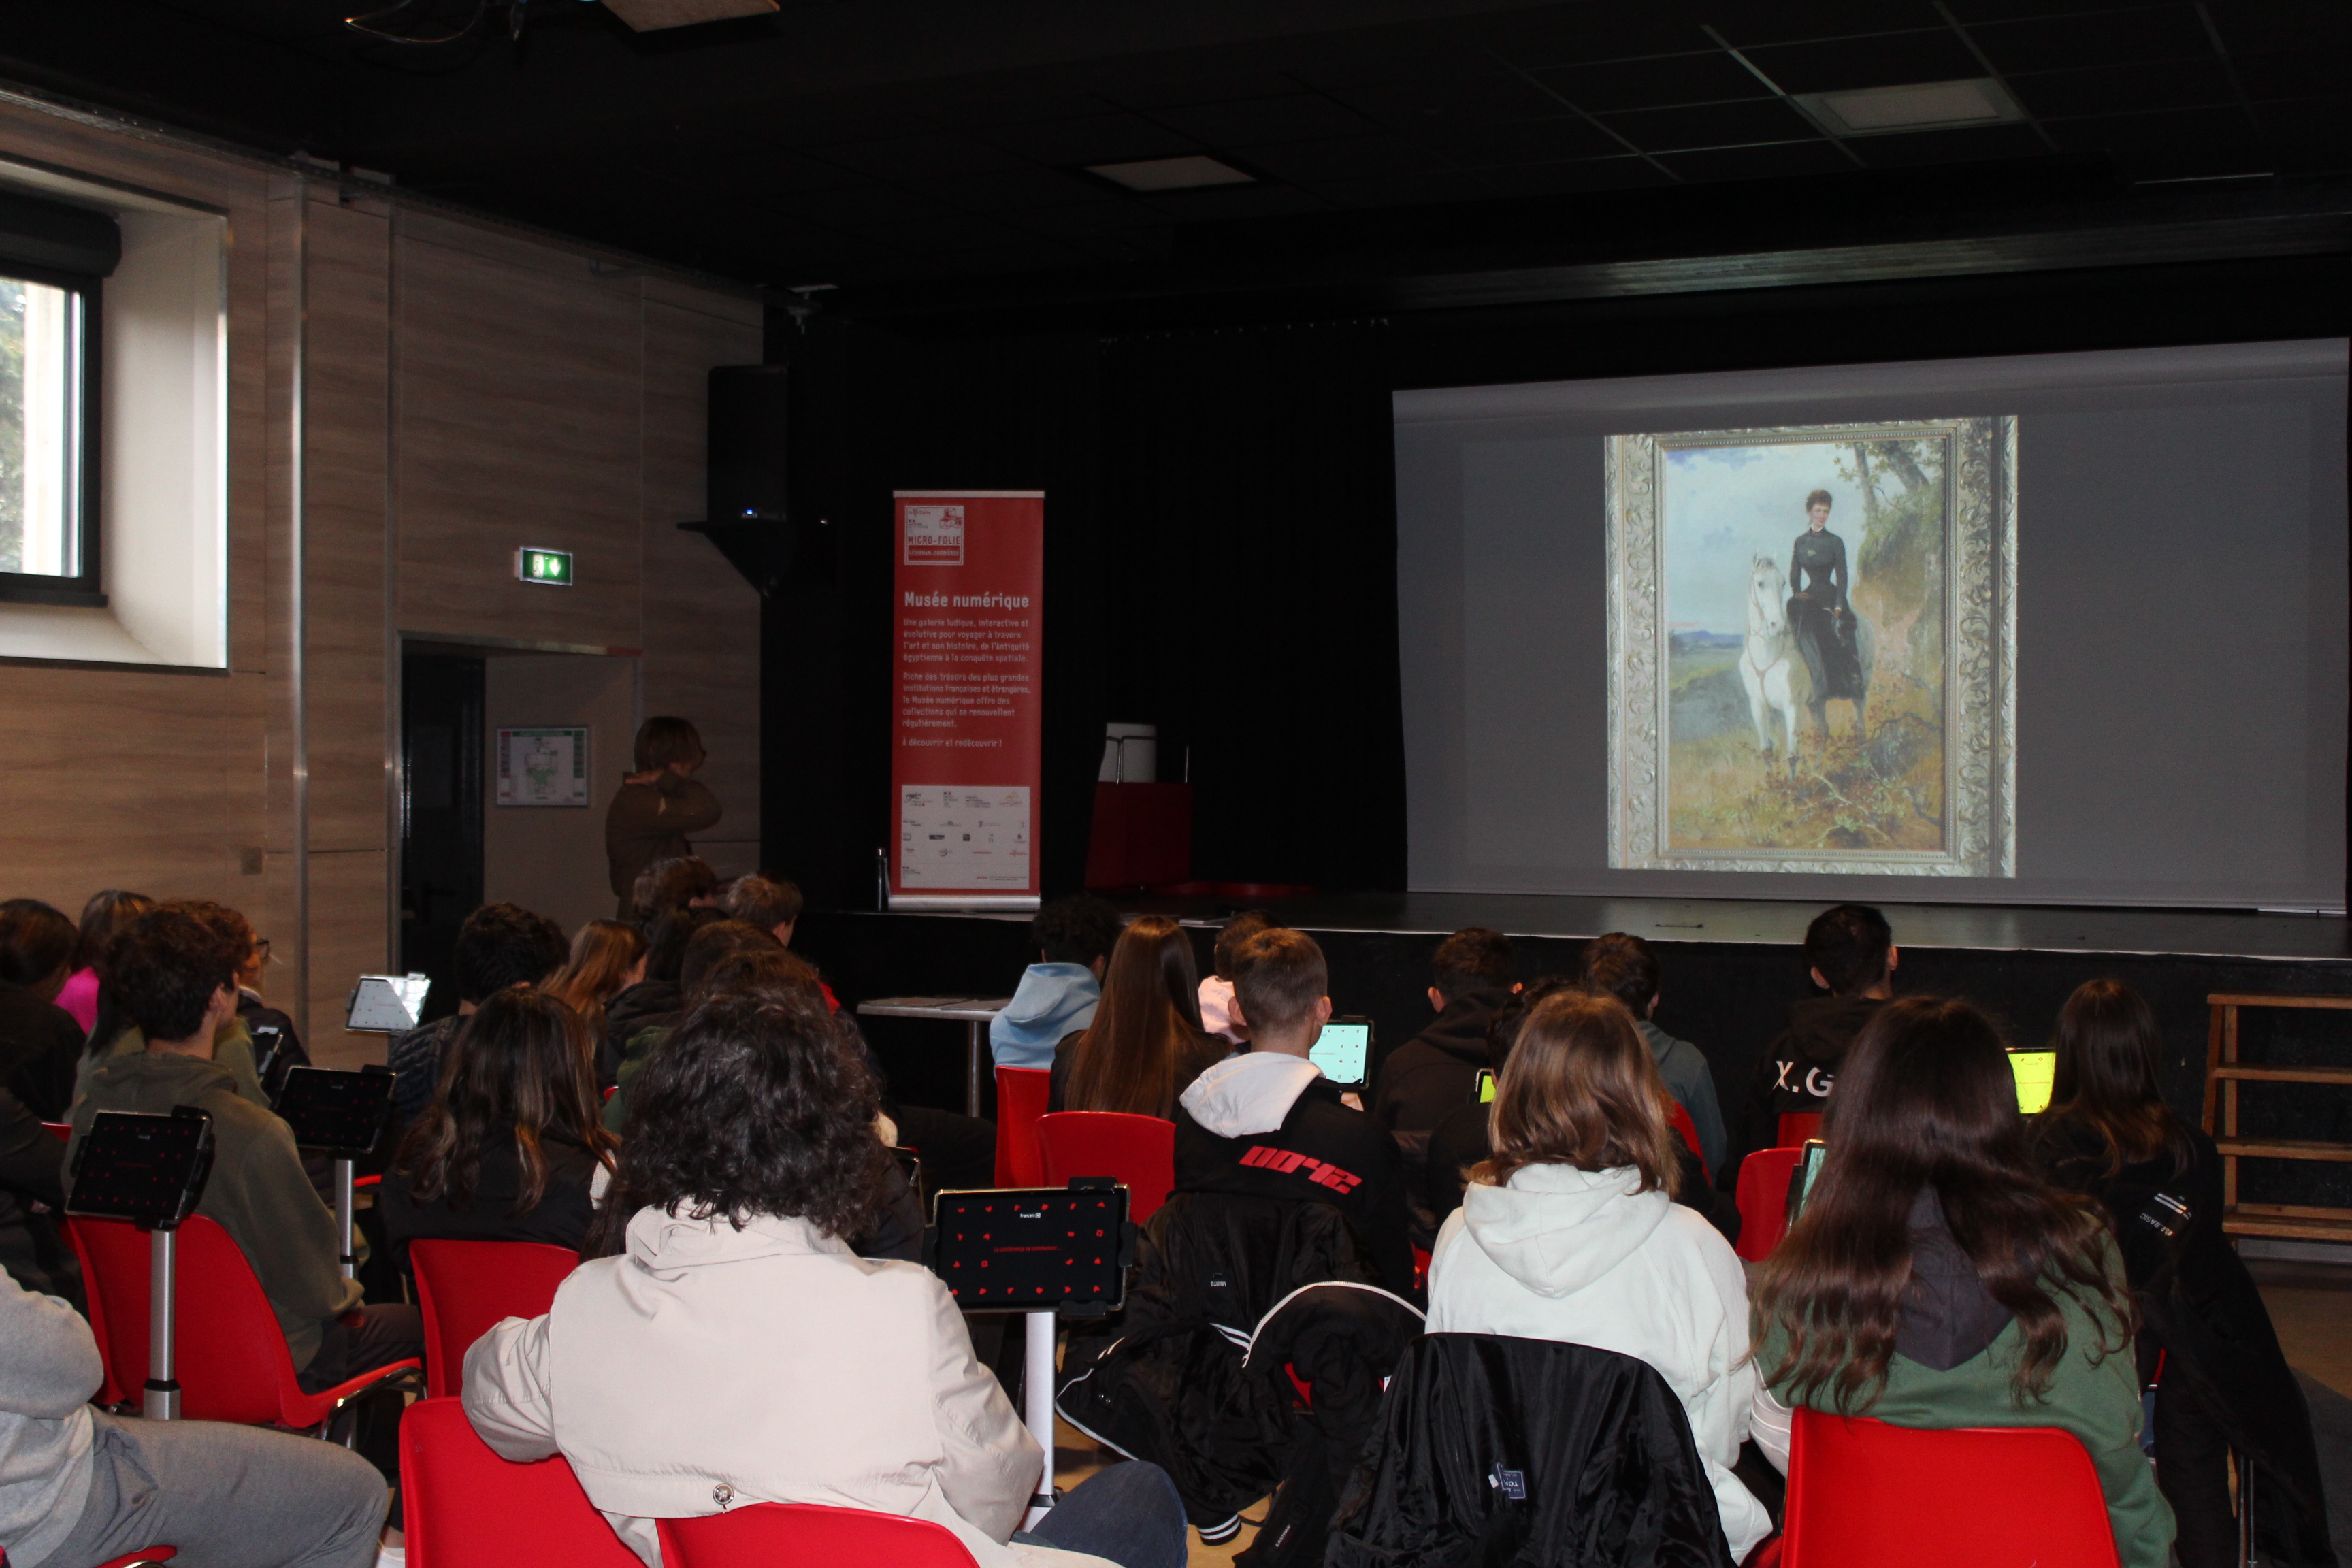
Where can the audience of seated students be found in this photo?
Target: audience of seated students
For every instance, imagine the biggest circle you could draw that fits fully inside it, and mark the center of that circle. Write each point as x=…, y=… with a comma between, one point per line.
x=1852, y=956
x=500, y=945
x=607, y=958
x=119, y=1035
x=510, y=1146
x=81, y=1487
x=735, y=1351
x=2224, y=1382
x=1935, y=1278
x=174, y=976
x=39, y=1042
x=656, y=808
x=106, y=912
x=1569, y=1231
x=1146, y=1044
x=1267, y=1123
x=709, y=939
x=1217, y=989
x=656, y=994
x=1623, y=966
x=1435, y=1073
x=1058, y=994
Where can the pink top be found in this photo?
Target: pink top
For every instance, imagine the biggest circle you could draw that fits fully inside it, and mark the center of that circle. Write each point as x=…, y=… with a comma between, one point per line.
x=79, y=997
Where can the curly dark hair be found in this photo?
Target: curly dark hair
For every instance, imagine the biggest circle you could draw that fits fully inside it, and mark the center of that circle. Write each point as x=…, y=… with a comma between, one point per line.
x=505, y=944
x=164, y=969
x=35, y=941
x=1076, y=930
x=755, y=1106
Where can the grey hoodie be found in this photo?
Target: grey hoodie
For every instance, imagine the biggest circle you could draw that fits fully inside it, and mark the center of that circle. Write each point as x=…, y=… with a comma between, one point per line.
x=49, y=1371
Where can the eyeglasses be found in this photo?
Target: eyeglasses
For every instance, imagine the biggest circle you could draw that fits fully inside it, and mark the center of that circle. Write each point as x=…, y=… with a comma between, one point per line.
x=261, y=949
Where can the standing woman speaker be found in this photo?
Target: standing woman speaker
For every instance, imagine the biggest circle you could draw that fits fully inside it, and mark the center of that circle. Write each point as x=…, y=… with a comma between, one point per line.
x=657, y=805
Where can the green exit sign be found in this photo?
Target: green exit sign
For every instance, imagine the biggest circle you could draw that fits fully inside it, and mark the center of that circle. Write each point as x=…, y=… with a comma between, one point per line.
x=548, y=568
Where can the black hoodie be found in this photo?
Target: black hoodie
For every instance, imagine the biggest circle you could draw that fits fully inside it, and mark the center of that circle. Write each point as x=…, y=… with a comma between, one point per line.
x=1435, y=1073
x=1795, y=1072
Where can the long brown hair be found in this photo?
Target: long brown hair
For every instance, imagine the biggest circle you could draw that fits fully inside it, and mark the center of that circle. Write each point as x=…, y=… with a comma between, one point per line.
x=1146, y=1042
x=602, y=954
x=2109, y=1053
x=521, y=1071
x=1581, y=1089
x=1927, y=1100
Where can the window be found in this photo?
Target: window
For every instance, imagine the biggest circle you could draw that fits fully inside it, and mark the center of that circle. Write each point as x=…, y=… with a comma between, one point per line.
x=48, y=545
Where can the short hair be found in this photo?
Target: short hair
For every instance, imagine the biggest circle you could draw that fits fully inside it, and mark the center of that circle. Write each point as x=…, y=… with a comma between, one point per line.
x=1819, y=498
x=107, y=911
x=1581, y=1090
x=164, y=969
x=666, y=939
x=1623, y=966
x=713, y=943
x=666, y=740
x=672, y=884
x=1472, y=959
x=505, y=944
x=231, y=924
x=763, y=901
x=1233, y=933
x=35, y=941
x=1849, y=945
x=1076, y=930
x=757, y=1105
x=1281, y=978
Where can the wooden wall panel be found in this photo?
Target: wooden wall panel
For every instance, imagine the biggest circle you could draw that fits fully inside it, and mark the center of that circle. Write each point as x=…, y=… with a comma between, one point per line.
x=701, y=619
x=518, y=424
x=347, y=905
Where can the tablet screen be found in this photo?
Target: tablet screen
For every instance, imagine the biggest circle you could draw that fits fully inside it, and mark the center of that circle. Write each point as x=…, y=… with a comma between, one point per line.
x=1343, y=1050
x=2037, y=1072
x=387, y=1004
x=338, y=1111
x=147, y=1169
x=1031, y=1249
x=1486, y=1086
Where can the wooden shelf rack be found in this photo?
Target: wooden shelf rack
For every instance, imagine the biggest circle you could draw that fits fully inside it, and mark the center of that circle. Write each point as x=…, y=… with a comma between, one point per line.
x=2223, y=1073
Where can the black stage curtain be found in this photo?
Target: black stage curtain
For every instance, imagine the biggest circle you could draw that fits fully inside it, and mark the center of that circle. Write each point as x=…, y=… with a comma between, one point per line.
x=1219, y=561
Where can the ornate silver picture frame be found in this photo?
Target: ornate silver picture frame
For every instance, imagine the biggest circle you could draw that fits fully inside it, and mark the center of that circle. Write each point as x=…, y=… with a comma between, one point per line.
x=1811, y=650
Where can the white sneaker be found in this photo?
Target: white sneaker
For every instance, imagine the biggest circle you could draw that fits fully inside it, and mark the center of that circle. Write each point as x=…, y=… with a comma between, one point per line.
x=391, y=1556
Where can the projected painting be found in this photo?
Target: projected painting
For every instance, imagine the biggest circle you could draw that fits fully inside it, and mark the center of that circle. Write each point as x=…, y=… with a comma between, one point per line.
x=1810, y=637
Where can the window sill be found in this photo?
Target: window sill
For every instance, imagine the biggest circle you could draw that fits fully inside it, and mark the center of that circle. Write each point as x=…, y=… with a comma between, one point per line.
x=20, y=592
x=69, y=634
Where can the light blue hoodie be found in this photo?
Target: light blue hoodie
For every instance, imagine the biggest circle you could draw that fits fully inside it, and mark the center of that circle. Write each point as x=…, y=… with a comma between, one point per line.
x=1053, y=1000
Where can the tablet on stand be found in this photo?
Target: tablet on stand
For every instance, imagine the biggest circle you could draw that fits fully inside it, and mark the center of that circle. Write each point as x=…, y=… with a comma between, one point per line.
x=151, y=1171
x=340, y=1113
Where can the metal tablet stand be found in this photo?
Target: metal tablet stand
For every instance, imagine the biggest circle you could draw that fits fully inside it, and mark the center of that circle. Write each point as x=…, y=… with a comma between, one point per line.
x=159, y=1401
x=1038, y=1406
x=344, y=1205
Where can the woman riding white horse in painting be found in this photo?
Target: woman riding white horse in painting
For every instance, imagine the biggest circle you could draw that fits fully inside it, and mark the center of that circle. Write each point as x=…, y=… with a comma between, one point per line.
x=1805, y=648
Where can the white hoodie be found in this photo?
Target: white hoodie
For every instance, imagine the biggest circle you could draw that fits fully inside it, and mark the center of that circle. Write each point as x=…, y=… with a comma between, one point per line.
x=1580, y=1257
x=1246, y=1095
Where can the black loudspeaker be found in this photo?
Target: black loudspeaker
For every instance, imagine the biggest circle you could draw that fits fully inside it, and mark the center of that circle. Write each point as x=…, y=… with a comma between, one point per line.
x=747, y=444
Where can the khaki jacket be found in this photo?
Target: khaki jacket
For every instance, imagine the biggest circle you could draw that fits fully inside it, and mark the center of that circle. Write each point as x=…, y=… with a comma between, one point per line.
x=709, y=1367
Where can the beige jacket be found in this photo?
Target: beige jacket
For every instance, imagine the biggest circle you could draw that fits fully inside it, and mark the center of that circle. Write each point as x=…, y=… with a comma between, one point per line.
x=709, y=1367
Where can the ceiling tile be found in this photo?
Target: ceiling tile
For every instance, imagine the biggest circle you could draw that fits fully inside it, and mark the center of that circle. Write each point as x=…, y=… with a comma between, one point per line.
x=2181, y=144
x=1710, y=125
x=1434, y=188
x=2117, y=90
x=1444, y=101
x=2101, y=38
x=1095, y=139
x=1233, y=201
x=1892, y=59
x=1577, y=174
x=1014, y=189
x=1750, y=22
x=1297, y=117
x=977, y=107
x=1577, y=35
x=1550, y=141
x=916, y=157
x=855, y=205
x=1782, y=160
x=2314, y=72
x=1974, y=144
x=2282, y=24
x=1150, y=82
x=1345, y=158
x=1332, y=61
x=1709, y=76
x=2320, y=119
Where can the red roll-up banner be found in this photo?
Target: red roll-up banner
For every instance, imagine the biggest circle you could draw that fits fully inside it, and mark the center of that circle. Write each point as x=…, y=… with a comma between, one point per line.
x=968, y=733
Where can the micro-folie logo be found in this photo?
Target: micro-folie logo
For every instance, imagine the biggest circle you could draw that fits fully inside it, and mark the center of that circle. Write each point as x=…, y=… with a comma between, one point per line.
x=934, y=535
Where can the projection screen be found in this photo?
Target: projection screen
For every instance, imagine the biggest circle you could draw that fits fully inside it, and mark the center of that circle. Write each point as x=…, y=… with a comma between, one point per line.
x=2062, y=628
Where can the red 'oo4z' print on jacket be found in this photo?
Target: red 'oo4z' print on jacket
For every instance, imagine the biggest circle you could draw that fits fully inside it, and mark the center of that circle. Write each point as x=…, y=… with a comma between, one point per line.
x=1284, y=1162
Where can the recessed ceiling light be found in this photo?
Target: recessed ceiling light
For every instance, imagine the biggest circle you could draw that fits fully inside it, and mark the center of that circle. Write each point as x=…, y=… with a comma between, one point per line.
x=1172, y=173
x=1923, y=106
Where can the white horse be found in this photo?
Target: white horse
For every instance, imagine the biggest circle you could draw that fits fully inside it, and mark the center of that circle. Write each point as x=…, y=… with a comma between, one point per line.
x=1770, y=665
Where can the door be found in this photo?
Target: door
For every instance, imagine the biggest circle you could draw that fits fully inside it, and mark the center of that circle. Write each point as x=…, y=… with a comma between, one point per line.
x=440, y=815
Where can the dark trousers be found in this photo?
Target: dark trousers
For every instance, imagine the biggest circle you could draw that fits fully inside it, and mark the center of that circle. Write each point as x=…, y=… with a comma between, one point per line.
x=2192, y=1471
x=383, y=1333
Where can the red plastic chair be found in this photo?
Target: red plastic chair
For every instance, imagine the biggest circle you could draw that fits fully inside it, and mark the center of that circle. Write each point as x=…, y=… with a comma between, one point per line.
x=807, y=1535
x=233, y=1360
x=1764, y=1201
x=1022, y=1096
x=1860, y=1492
x=1797, y=1126
x=464, y=1506
x=1139, y=1151
x=465, y=1288
x=1689, y=1131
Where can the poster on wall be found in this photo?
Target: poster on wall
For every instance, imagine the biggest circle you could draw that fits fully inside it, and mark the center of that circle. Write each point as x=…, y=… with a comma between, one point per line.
x=966, y=725
x=546, y=766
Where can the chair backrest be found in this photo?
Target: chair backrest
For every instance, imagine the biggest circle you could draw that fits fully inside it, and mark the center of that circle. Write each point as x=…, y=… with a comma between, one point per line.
x=807, y=1535
x=232, y=1362
x=464, y=1506
x=60, y=1131
x=1764, y=1200
x=2008, y=1496
x=1689, y=1129
x=1022, y=1096
x=1796, y=1126
x=1139, y=1151
x=110, y=1390
x=464, y=1288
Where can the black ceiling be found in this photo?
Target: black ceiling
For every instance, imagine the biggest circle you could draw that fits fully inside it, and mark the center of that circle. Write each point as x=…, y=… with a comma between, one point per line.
x=902, y=145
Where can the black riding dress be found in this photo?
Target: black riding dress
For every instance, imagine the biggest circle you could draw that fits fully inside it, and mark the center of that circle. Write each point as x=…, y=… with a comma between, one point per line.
x=1822, y=620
